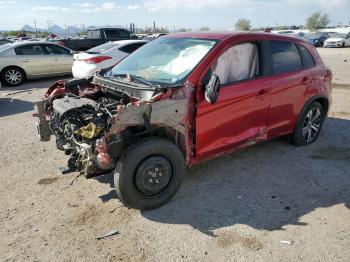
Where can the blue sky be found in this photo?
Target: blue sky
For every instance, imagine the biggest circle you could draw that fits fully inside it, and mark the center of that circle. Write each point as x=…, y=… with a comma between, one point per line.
x=217, y=14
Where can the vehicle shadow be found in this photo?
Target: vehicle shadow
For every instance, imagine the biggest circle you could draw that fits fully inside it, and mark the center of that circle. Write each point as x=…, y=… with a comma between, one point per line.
x=266, y=186
x=11, y=106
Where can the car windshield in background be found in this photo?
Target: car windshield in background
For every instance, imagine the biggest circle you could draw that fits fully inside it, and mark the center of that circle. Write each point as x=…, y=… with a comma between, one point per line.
x=102, y=48
x=338, y=36
x=165, y=60
x=313, y=36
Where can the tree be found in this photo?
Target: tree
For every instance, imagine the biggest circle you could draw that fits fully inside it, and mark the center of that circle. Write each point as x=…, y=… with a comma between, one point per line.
x=317, y=21
x=204, y=28
x=243, y=24
x=184, y=29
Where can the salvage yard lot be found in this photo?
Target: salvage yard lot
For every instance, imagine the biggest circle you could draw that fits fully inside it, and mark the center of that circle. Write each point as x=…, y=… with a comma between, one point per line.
x=234, y=208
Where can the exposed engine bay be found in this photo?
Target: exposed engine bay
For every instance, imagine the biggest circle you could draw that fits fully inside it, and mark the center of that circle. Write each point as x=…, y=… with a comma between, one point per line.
x=94, y=122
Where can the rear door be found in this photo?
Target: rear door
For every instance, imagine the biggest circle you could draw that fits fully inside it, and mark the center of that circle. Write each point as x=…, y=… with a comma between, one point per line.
x=33, y=59
x=61, y=58
x=289, y=83
x=239, y=117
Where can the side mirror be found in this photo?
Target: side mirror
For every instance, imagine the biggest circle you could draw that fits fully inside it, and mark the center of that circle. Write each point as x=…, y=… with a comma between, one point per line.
x=212, y=89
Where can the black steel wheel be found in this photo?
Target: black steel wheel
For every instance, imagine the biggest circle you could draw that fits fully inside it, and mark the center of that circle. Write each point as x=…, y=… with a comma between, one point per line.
x=153, y=175
x=149, y=173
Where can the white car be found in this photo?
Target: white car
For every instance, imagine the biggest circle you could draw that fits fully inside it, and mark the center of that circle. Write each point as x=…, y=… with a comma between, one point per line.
x=103, y=56
x=338, y=40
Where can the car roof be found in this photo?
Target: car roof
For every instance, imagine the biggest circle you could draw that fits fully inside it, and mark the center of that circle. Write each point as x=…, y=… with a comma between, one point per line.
x=220, y=35
x=32, y=42
x=22, y=43
x=105, y=28
x=125, y=42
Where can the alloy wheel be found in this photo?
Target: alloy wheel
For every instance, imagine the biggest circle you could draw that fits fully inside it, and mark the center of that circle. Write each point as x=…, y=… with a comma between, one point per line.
x=312, y=124
x=13, y=76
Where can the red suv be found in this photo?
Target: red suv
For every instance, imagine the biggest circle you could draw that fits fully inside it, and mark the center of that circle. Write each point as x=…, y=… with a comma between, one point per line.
x=182, y=99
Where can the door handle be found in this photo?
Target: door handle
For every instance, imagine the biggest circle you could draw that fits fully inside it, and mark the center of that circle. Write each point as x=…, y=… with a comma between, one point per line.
x=55, y=59
x=263, y=92
x=25, y=60
x=306, y=80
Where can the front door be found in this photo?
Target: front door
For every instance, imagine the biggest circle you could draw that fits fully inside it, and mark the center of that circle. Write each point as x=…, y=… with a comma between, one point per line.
x=239, y=117
x=34, y=60
x=61, y=58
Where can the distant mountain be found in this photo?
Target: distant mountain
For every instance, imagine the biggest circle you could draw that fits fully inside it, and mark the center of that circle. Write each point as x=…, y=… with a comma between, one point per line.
x=28, y=28
x=74, y=30
x=57, y=30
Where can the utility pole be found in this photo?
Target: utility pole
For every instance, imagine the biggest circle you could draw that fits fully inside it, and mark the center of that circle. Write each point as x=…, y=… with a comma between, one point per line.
x=49, y=24
x=36, y=30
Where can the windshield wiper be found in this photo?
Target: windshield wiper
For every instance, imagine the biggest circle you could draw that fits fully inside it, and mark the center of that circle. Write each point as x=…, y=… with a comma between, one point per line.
x=136, y=78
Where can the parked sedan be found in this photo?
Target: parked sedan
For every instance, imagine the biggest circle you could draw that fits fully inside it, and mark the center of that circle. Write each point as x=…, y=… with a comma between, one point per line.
x=338, y=40
x=317, y=38
x=103, y=56
x=26, y=60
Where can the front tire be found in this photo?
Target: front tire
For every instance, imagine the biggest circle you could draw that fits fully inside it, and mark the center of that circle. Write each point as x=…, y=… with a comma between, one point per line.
x=309, y=125
x=12, y=76
x=149, y=173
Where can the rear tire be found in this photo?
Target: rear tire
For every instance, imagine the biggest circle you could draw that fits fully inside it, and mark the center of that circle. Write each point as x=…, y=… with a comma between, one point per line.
x=149, y=173
x=12, y=76
x=309, y=125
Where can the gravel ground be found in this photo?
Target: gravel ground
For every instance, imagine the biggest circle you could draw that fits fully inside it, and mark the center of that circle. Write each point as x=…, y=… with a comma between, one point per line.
x=270, y=202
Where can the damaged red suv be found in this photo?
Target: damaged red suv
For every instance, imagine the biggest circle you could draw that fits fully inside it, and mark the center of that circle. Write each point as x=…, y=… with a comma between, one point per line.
x=183, y=99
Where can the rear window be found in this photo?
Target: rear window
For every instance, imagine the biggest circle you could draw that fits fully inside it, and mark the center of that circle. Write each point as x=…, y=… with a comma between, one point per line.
x=102, y=48
x=4, y=47
x=113, y=33
x=131, y=47
x=307, y=59
x=285, y=57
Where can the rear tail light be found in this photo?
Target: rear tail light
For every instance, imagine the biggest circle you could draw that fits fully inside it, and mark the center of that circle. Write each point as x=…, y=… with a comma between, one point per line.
x=61, y=43
x=96, y=59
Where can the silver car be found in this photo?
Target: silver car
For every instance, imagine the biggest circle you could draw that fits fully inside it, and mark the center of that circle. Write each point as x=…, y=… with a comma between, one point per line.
x=26, y=60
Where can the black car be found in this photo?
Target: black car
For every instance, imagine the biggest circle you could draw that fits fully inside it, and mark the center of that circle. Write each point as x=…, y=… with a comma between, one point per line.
x=96, y=37
x=317, y=38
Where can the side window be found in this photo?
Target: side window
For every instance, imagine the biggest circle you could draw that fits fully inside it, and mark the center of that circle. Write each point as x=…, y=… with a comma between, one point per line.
x=285, y=57
x=116, y=33
x=131, y=48
x=56, y=50
x=29, y=50
x=95, y=34
x=240, y=62
x=306, y=57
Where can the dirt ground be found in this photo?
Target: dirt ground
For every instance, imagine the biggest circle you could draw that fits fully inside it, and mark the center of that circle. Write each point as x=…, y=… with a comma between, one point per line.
x=270, y=202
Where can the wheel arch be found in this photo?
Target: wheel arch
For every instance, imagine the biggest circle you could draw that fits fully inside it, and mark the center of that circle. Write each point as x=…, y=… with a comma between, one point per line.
x=322, y=99
x=16, y=66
